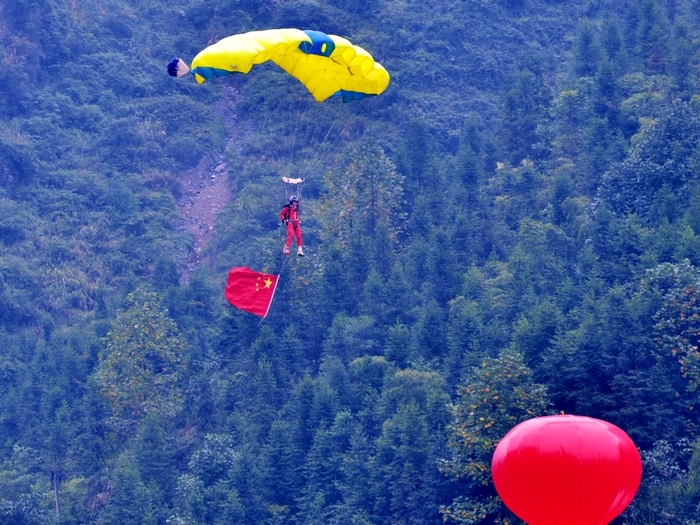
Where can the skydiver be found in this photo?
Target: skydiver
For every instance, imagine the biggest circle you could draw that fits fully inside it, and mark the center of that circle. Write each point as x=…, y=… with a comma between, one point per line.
x=290, y=216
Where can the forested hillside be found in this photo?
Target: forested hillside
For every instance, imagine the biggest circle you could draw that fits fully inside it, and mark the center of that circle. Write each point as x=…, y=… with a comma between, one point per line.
x=511, y=229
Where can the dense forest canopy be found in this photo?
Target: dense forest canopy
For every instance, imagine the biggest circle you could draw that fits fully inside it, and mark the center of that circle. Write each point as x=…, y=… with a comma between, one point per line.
x=511, y=229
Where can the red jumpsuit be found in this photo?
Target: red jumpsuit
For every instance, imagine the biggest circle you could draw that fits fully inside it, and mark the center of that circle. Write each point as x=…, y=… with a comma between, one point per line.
x=290, y=215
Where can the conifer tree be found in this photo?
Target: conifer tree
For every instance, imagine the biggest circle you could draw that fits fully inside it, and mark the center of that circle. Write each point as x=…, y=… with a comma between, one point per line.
x=652, y=37
x=464, y=327
x=357, y=502
x=415, y=157
x=404, y=488
x=279, y=470
x=323, y=468
x=524, y=108
x=682, y=51
x=611, y=39
x=262, y=396
x=207, y=492
x=428, y=332
x=397, y=349
x=586, y=50
x=155, y=459
x=130, y=501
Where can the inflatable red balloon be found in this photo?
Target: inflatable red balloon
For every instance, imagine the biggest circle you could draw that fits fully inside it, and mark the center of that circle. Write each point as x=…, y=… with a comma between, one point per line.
x=571, y=470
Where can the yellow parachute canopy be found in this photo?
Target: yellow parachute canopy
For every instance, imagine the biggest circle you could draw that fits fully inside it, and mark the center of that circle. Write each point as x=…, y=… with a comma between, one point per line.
x=327, y=65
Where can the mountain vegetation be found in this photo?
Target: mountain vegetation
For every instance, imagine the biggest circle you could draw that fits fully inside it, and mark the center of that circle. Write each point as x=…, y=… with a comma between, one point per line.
x=512, y=229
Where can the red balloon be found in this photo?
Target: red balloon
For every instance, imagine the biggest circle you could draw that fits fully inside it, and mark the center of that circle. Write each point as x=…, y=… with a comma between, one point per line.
x=571, y=470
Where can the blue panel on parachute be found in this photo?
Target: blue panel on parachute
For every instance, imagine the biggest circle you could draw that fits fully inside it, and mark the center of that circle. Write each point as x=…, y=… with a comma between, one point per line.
x=351, y=95
x=321, y=44
x=210, y=72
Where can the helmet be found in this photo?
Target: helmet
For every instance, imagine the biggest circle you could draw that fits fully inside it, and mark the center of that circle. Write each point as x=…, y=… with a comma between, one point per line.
x=293, y=199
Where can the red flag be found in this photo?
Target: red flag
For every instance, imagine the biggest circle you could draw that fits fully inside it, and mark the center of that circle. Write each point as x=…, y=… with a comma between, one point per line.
x=250, y=291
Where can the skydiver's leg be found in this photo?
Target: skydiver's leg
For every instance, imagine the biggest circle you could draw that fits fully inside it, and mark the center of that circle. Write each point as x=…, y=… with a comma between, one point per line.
x=290, y=234
x=297, y=230
x=299, y=249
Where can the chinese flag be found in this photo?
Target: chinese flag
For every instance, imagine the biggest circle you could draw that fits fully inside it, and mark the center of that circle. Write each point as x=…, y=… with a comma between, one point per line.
x=250, y=291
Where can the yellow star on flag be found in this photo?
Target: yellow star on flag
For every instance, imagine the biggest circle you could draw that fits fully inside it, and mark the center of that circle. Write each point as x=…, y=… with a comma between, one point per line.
x=268, y=282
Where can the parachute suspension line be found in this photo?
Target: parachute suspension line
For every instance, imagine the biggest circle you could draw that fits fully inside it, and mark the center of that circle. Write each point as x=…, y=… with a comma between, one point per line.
x=313, y=148
x=300, y=110
x=314, y=161
x=347, y=124
x=311, y=125
x=312, y=138
x=304, y=137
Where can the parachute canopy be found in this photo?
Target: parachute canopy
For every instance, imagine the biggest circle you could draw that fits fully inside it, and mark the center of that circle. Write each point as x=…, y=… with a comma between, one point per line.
x=327, y=65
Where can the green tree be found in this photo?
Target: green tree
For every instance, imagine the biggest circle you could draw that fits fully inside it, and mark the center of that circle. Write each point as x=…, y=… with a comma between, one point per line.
x=630, y=28
x=586, y=50
x=652, y=37
x=464, y=330
x=425, y=389
x=262, y=396
x=662, y=158
x=468, y=169
x=536, y=329
x=415, y=157
x=141, y=366
x=25, y=493
x=428, y=332
x=130, y=500
x=374, y=300
x=413, y=411
x=494, y=398
x=206, y=493
x=442, y=269
x=603, y=145
x=572, y=110
x=246, y=477
x=299, y=413
x=397, y=349
x=404, y=489
x=362, y=192
x=337, y=292
x=323, y=470
x=678, y=321
x=606, y=363
x=524, y=109
x=682, y=51
x=357, y=503
x=611, y=39
x=351, y=337
x=279, y=469
x=155, y=459
x=671, y=484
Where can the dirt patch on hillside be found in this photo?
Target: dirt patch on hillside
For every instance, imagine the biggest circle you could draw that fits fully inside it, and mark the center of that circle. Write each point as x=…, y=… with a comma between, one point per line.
x=205, y=194
x=206, y=190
